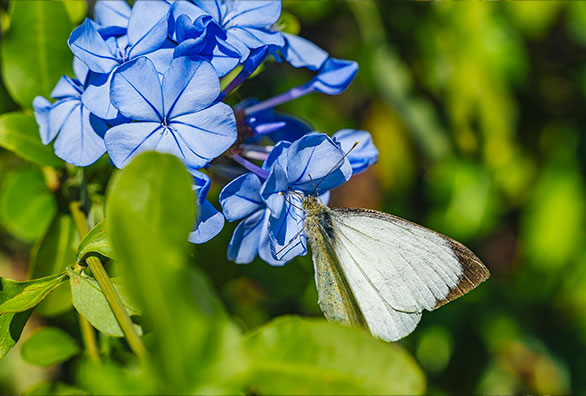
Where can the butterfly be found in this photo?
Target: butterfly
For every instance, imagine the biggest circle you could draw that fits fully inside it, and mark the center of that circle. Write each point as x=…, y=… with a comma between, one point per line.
x=379, y=271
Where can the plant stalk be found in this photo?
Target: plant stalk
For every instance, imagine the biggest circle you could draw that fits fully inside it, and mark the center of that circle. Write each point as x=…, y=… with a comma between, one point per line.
x=89, y=339
x=107, y=288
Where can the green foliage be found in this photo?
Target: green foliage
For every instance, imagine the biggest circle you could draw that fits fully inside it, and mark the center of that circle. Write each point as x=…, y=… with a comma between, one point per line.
x=11, y=326
x=194, y=340
x=53, y=254
x=34, y=50
x=96, y=241
x=19, y=133
x=89, y=301
x=21, y=296
x=477, y=110
x=27, y=206
x=49, y=346
x=299, y=356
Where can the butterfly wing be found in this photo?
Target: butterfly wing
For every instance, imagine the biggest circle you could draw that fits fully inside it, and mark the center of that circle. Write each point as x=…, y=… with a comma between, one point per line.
x=395, y=269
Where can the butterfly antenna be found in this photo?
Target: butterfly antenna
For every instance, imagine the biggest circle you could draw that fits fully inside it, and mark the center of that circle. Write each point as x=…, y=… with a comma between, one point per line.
x=335, y=166
x=289, y=244
x=314, y=186
x=296, y=193
x=288, y=201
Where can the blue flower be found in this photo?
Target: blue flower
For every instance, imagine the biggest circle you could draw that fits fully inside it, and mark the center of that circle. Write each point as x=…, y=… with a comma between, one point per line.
x=112, y=17
x=247, y=25
x=241, y=200
x=209, y=221
x=363, y=155
x=314, y=164
x=332, y=78
x=103, y=52
x=179, y=115
x=78, y=134
x=272, y=124
x=205, y=38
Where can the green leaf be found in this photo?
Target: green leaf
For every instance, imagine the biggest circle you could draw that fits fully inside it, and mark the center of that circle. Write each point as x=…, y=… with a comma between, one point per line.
x=53, y=388
x=19, y=133
x=27, y=206
x=48, y=346
x=153, y=196
x=301, y=356
x=53, y=254
x=76, y=10
x=150, y=212
x=89, y=301
x=96, y=241
x=11, y=326
x=34, y=50
x=110, y=378
x=20, y=296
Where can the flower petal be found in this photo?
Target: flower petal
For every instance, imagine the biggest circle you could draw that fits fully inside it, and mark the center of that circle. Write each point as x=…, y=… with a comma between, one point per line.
x=59, y=114
x=335, y=76
x=256, y=13
x=300, y=52
x=66, y=87
x=253, y=38
x=241, y=197
x=80, y=141
x=363, y=155
x=201, y=185
x=136, y=91
x=273, y=189
x=244, y=243
x=112, y=14
x=209, y=224
x=96, y=97
x=87, y=44
x=223, y=56
x=42, y=108
x=80, y=70
x=207, y=133
x=148, y=26
x=286, y=233
x=188, y=8
x=162, y=58
x=264, y=245
x=127, y=140
x=189, y=86
x=316, y=160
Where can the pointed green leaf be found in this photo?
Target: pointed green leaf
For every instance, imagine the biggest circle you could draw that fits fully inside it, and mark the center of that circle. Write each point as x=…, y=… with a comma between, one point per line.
x=54, y=388
x=89, y=301
x=96, y=241
x=27, y=206
x=20, y=296
x=19, y=133
x=301, y=356
x=150, y=212
x=48, y=346
x=11, y=326
x=54, y=253
x=34, y=50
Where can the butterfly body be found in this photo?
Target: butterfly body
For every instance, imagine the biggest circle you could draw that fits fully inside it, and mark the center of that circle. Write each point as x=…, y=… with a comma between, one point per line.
x=381, y=271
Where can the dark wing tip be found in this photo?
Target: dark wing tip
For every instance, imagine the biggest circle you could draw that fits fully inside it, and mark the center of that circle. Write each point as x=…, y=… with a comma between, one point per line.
x=474, y=273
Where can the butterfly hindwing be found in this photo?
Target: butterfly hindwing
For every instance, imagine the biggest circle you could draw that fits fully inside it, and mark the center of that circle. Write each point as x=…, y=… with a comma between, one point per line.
x=396, y=269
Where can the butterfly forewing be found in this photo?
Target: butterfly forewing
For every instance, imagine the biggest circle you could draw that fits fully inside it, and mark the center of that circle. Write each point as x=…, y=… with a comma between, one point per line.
x=396, y=269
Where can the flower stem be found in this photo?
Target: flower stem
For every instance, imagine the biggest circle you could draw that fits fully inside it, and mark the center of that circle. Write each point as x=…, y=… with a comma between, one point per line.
x=107, y=288
x=89, y=339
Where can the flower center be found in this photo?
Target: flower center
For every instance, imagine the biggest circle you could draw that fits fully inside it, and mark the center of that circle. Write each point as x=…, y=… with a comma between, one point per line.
x=122, y=54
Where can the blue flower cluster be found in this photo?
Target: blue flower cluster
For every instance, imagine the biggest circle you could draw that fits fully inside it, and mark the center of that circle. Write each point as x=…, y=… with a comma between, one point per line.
x=147, y=77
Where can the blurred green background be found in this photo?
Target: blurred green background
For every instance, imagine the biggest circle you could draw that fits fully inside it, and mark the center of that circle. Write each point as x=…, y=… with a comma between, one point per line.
x=477, y=109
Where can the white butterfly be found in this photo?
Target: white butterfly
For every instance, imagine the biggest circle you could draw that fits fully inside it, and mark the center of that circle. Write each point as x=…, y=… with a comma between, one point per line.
x=376, y=270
